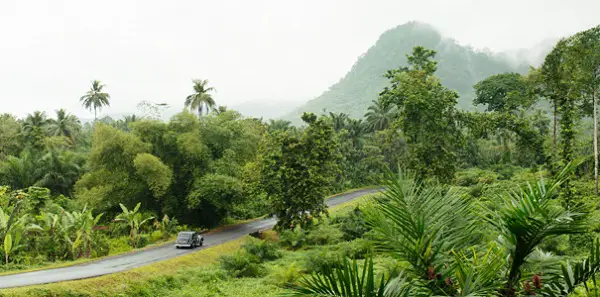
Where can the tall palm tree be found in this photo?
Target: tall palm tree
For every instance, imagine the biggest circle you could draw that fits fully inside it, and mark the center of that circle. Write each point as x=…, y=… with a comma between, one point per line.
x=201, y=100
x=379, y=116
x=35, y=128
x=357, y=130
x=95, y=99
x=339, y=120
x=65, y=124
x=35, y=121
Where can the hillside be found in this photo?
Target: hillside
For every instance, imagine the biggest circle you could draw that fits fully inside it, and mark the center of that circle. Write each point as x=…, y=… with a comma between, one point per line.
x=459, y=68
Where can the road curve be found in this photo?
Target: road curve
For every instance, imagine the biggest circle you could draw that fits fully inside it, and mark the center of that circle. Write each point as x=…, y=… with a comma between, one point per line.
x=132, y=260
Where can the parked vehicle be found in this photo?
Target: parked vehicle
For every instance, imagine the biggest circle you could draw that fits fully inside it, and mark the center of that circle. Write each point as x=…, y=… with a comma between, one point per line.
x=189, y=239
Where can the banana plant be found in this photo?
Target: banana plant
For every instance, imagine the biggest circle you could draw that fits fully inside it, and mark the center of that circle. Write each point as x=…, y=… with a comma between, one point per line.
x=14, y=228
x=85, y=224
x=134, y=219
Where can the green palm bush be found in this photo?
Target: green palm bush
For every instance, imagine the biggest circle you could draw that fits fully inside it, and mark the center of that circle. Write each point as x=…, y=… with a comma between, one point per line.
x=456, y=247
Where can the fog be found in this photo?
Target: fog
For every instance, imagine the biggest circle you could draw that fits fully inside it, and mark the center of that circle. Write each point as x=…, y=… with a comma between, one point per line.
x=264, y=51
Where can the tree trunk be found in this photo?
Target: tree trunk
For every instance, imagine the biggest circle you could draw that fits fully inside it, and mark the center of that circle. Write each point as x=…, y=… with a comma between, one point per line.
x=595, y=76
x=555, y=126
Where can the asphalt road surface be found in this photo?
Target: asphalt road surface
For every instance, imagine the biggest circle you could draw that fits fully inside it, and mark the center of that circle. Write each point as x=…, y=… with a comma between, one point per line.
x=131, y=260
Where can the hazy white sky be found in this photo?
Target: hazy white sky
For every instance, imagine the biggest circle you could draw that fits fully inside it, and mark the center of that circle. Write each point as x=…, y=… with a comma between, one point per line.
x=248, y=49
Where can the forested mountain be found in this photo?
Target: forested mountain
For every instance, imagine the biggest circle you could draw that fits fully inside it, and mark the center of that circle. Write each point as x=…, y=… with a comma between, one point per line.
x=460, y=67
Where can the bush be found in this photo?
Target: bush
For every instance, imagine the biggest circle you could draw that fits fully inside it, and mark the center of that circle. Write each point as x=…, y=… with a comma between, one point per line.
x=315, y=260
x=294, y=239
x=157, y=236
x=356, y=249
x=286, y=274
x=353, y=226
x=474, y=176
x=119, y=245
x=143, y=240
x=263, y=250
x=324, y=234
x=242, y=264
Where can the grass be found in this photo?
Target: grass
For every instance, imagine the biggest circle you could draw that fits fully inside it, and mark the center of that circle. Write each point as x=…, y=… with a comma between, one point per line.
x=115, y=284
x=190, y=275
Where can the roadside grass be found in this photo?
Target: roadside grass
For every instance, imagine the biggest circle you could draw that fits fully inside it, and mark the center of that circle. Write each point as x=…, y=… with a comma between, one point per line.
x=60, y=264
x=118, y=283
x=194, y=274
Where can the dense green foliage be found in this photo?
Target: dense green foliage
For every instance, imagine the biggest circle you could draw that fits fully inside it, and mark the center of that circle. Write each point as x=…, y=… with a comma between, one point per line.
x=476, y=219
x=298, y=172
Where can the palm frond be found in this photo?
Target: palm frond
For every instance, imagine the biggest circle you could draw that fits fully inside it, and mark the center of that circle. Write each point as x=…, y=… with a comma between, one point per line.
x=420, y=223
x=347, y=280
x=575, y=275
x=530, y=215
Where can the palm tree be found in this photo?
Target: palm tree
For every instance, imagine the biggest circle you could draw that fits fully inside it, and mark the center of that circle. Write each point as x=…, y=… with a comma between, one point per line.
x=60, y=171
x=356, y=131
x=95, y=99
x=35, y=121
x=379, y=116
x=278, y=125
x=201, y=100
x=66, y=125
x=339, y=120
x=19, y=172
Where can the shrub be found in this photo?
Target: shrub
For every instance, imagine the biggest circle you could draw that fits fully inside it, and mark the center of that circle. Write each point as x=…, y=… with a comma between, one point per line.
x=356, y=249
x=119, y=245
x=156, y=236
x=324, y=234
x=294, y=239
x=263, y=250
x=143, y=240
x=287, y=274
x=474, y=176
x=242, y=264
x=353, y=226
x=315, y=260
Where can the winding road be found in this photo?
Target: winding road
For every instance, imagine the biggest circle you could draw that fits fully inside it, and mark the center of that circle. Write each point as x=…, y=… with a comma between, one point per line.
x=132, y=260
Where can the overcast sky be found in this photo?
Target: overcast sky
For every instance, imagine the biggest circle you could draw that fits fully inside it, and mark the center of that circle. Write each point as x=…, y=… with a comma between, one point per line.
x=248, y=49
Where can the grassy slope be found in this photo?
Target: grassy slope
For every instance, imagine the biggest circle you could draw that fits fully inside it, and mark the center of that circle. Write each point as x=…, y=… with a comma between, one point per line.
x=191, y=275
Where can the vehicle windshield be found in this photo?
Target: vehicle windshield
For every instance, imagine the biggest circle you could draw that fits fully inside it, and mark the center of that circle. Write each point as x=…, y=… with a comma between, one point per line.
x=184, y=236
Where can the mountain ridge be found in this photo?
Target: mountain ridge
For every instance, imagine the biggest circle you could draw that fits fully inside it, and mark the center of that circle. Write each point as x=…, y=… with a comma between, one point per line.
x=459, y=68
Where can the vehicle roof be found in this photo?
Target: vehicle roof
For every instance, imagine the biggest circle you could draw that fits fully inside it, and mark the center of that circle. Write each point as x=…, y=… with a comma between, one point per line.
x=186, y=232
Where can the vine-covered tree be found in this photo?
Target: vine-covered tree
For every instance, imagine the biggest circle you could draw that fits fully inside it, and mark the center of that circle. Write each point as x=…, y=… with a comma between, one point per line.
x=298, y=171
x=426, y=115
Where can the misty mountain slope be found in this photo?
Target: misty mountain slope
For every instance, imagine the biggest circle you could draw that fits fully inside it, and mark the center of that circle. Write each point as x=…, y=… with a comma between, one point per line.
x=459, y=68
